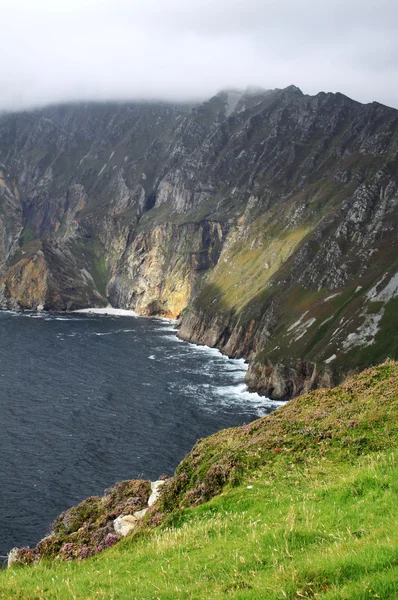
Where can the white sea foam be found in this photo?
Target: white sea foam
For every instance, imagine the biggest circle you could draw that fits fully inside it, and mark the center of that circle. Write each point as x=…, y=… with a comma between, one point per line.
x=240, y=391
x=236, y=364
x=64, y=319
x=115, y=332
x=109, y=311
x=103, y=333
x=240, y=394
x=237, y=375
x=79, y=319
x=165, y=319
x=167, y=327
x=236, y=395
x=208, y=350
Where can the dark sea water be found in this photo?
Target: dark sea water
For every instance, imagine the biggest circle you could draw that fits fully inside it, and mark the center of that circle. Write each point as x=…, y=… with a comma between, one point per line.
x=88, y=400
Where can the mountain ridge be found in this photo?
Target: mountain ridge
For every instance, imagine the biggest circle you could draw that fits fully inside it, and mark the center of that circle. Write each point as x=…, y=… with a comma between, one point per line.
x=256, y=221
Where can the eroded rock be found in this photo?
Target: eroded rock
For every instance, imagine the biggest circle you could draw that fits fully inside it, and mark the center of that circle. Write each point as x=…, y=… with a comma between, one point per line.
x=155, y=487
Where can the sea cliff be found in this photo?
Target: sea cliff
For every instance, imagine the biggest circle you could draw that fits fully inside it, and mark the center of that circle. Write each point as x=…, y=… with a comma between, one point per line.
x=267, y=226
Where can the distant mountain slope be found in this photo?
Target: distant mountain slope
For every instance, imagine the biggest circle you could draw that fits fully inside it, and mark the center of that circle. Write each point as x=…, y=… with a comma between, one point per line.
x=267, y=219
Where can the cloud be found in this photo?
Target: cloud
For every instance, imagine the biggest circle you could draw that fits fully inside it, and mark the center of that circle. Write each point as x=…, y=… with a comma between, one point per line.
x=66, y=50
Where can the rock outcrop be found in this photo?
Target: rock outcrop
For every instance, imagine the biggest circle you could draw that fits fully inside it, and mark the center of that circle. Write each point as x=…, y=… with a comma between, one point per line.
x=265, y=220
x=124, y=525
x=95, y=524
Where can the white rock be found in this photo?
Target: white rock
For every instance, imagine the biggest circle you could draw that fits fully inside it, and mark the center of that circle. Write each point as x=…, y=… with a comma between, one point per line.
x=329, y=360
x=155, y=487
x=332, y=296
x=140, y=513
x=123, y=525
x=13, y=557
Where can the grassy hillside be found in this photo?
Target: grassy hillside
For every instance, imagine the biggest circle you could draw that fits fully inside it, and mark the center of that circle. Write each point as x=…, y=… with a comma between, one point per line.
x=300, y=504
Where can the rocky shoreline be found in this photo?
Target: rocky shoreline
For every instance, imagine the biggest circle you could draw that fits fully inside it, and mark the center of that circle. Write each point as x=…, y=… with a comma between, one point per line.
x=95, y=524
x=270, y=231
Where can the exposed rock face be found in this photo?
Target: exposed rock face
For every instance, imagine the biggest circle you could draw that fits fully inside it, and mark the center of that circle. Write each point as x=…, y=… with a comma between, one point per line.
x=265, y=219
x=155, y=487
x=160, y=267
x=281, y=382
x=126, y=524
x=91, y=527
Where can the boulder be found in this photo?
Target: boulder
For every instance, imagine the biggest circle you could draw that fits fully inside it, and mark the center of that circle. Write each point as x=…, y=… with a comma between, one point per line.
x=125, y=524
x=13, y=557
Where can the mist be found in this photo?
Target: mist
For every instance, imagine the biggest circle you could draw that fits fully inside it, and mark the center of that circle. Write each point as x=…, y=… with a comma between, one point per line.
x=182, y=51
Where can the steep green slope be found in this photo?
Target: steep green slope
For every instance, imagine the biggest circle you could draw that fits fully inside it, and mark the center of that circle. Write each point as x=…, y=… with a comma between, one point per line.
x=300, y=504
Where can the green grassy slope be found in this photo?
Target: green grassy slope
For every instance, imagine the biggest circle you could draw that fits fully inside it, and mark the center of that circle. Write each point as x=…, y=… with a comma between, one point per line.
x=300, y=504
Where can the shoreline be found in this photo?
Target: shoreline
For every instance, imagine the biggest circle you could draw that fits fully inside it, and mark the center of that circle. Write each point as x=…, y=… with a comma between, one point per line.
x=110, y=311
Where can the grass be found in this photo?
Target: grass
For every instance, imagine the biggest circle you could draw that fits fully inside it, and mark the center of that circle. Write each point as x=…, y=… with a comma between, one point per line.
x=27, y=236
x=300, y=504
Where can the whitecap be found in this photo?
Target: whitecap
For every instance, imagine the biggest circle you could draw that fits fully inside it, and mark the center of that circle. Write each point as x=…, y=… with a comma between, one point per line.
x=165, y=319
x=50, y=317
x=102, y=333
x=235, y=366
x=208, y=350
x=241, y=391
x=239, y=394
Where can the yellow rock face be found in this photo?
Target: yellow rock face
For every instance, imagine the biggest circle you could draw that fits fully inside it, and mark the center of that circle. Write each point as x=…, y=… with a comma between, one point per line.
x=27, y=281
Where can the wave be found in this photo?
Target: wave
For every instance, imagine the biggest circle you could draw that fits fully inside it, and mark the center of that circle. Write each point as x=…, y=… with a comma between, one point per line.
x=113, y=332
x=52, y=318
x=103, y=333
x=166, y=327
x=208, y=350
x=240, y=394
x=165, y=319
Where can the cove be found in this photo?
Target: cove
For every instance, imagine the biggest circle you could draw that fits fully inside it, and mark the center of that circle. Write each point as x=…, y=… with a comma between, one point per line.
x=88, y=400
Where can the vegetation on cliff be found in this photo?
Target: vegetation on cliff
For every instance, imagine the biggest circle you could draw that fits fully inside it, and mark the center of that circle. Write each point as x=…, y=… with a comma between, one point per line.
x=271, y=228
x=299, y=504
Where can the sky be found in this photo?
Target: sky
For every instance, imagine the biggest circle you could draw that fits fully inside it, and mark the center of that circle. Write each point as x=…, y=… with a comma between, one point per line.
x=69, y=50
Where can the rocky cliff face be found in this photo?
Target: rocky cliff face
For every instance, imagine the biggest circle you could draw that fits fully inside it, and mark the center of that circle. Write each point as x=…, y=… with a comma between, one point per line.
x=267, y=220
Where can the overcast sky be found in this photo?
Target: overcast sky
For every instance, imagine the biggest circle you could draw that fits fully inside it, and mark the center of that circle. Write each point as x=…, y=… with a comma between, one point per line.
x=61, y=50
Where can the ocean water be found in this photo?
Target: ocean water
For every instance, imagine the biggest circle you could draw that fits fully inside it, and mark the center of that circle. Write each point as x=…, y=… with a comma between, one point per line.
x=87, y=400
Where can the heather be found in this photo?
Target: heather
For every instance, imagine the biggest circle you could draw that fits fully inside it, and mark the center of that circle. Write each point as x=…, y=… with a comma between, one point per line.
x=299, y=504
